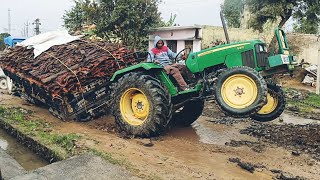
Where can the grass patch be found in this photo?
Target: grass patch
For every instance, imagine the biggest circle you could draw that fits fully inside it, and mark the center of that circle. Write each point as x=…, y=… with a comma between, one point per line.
x=67, y=141
x=301, y=100
x=63, y=145
x=299, y=105
x=2, y=110
x=313, y=99
x=13, y=115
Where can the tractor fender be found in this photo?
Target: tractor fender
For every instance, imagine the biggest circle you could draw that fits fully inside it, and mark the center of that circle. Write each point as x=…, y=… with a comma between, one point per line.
x=140, y=66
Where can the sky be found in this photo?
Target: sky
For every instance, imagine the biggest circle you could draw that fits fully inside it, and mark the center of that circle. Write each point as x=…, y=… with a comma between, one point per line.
x=50, y=12
x=190, y=12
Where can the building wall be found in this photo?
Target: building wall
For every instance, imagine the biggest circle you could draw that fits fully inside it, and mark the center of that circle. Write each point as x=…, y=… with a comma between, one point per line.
x=196, y=45
x=212, y=35
x=151, y=44
x=305, y=46
x=180, y=35
x=180, y=45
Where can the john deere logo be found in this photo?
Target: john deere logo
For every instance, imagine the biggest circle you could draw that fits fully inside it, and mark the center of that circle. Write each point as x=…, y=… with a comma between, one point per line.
x=223, y=48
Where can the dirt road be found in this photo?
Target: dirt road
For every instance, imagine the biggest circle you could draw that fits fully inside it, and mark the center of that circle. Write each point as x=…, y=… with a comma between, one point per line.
x=213, y=148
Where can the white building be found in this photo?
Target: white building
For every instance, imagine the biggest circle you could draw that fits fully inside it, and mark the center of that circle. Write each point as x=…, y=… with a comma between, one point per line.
x=200, y=37
x=178, y=37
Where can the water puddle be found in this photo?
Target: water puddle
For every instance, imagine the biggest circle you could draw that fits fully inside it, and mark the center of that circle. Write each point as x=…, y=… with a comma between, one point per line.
x=184, y=133
x=3, y=143
x=207, y=132
x=216, y=134
x=26, y=158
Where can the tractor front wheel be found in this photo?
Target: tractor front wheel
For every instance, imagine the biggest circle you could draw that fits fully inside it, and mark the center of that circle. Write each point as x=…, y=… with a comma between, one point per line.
x=141, y=106
x=275, y=105
x=240, y=91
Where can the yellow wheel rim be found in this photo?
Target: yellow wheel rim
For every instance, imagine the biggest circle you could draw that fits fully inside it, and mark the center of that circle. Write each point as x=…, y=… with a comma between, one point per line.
x=239, y=91
x=271, y=105
x=134, y=107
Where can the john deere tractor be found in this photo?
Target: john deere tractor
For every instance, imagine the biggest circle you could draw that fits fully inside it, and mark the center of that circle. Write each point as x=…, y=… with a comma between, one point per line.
x=235, y=75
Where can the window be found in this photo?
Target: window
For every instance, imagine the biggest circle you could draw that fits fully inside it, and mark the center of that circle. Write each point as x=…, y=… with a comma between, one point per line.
x=172, y=44
x=261, y=48
x=189, y=44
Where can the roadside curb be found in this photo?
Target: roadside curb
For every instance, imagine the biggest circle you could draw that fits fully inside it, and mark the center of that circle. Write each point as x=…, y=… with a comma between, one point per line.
x=85, y=166
x=29, y=142
x=82, y=166
x=9, y=167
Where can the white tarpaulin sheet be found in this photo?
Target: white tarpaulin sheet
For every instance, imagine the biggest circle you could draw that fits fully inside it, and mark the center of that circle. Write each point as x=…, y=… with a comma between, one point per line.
x=1, y=72
x=44, y=41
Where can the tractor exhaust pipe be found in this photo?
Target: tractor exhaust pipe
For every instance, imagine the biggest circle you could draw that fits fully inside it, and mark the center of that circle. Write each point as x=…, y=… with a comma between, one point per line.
x=224, y=27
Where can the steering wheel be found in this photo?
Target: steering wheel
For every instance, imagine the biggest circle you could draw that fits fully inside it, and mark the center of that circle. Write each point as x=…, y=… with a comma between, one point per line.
x=178, y=54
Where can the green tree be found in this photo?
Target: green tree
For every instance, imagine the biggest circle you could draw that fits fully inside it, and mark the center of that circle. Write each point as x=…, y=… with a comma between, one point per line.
x=305, y=11
x=232, y=11
x=2, y=36
x=73, y=19
x=125, y=20
x=307, y=17
x=170, y=22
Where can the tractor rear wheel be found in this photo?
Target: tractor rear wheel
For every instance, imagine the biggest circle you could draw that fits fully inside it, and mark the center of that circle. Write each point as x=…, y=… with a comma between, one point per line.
x=3, y=83
x=275, y=105
x=141, y=106
x=240, y=91
x=189, y=113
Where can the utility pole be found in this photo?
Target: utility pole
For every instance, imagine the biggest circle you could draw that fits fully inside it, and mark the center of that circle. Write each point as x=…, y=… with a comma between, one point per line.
x=318, y=72
x=37, y=24
x=27, y=29
x=9, y=21
x=224, y=27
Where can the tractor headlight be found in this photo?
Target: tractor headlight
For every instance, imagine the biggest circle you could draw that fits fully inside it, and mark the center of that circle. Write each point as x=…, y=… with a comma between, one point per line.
x=285, y=59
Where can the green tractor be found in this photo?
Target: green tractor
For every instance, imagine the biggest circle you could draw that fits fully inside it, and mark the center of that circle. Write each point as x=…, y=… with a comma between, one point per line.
x=145, y=99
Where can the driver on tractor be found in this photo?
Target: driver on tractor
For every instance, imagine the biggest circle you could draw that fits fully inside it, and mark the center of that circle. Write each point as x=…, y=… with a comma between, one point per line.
x=162, y=55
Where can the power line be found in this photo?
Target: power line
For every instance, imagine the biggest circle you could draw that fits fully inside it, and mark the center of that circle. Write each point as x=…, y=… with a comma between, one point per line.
x=26, y=29
x=9, y=21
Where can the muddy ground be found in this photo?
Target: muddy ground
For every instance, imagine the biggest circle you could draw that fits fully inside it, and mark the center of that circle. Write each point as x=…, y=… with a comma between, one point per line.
x=215, y=147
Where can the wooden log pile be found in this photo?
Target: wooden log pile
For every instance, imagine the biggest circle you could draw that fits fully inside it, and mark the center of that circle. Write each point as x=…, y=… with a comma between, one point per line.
x=66, y=68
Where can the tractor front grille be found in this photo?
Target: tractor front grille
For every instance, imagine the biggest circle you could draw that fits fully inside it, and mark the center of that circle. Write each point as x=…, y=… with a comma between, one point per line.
x=248, y=59
x=262, y=59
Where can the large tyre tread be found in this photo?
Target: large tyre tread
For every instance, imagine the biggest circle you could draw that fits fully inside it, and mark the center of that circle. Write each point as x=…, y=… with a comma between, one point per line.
x=262, y=94
x=279, y=109
x=161, y=102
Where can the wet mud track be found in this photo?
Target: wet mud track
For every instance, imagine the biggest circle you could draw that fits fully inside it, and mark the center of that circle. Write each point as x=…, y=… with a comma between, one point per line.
x=303, y=138
x=213, y=148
